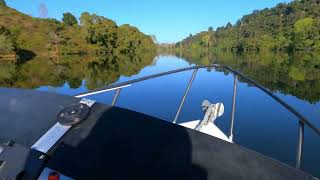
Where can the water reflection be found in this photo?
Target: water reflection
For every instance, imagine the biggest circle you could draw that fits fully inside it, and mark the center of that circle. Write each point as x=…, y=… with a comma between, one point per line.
x=96, y=71
x=261, y=124
x=297, y=74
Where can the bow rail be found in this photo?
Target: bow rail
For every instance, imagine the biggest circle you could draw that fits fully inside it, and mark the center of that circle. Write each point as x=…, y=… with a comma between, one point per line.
x=302, y=120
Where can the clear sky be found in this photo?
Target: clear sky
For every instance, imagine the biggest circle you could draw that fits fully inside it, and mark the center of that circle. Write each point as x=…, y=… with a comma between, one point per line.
x=168, y=20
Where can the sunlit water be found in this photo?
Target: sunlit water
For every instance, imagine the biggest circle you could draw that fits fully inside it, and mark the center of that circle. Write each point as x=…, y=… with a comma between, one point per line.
x=261, y=124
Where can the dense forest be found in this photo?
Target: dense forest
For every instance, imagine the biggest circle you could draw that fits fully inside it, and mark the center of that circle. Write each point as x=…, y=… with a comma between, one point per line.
x=23, y=35
x=290, y=27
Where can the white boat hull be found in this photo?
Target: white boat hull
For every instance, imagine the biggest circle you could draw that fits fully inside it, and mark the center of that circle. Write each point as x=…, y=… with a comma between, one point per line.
x=210, y=129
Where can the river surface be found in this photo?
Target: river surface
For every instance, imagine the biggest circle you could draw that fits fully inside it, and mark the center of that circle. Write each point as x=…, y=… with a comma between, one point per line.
x=261, y=124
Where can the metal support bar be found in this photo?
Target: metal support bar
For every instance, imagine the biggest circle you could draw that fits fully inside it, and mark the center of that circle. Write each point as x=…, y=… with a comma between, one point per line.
x=115, y=98
x=300, y=145
x=101, y=91
x=185, y=95
x=233, y=107
x=249, y=80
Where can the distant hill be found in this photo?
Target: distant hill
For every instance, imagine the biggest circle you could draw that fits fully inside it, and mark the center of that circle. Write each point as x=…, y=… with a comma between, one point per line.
x=292, y=26
x=23, y=33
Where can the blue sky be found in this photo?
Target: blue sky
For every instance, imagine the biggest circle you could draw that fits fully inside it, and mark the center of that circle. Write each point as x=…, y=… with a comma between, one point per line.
x=168, y=20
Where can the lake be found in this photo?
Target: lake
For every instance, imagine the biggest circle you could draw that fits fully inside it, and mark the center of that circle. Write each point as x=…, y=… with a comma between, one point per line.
x=261, y=124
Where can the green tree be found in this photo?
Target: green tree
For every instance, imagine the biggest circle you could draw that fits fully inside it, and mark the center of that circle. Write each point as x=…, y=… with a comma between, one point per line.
x=266, y=42
x=55, y=36
x=303, y=29
x=210, y=29
x=3, y=3
x=285, y=27
x=69, y=19
x=85, y=19
x=95, y=34
x=8, y=43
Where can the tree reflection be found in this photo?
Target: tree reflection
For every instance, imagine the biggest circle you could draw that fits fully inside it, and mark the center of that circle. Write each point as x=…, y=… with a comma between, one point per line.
x=297, y=74
x=96, y=71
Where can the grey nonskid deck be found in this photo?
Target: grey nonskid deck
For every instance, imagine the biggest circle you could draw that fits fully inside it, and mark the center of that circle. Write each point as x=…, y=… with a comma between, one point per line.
x=115, y=143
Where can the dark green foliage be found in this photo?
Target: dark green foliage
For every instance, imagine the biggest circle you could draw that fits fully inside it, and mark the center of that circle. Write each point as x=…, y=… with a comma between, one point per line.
x=3, y=3
x=101, y=31
x=113, y=39
x=293, y=26
x=307, y=34
x=200, y=40
x=85, y=19
x=8, y=44
x=94, y=35
x=69, y=19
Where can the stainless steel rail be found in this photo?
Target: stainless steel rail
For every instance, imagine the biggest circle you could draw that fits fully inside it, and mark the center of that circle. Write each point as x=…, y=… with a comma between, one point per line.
x=233, y=107
x=302, y=120
x=115, y=98
x=300, y=145
x=185, y=95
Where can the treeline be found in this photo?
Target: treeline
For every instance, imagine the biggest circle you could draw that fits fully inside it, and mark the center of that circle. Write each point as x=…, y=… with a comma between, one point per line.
x=93, y=34
x=110, y=38
x=292, y=26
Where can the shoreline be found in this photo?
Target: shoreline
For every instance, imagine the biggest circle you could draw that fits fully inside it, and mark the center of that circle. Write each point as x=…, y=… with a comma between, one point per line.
x=8, y=57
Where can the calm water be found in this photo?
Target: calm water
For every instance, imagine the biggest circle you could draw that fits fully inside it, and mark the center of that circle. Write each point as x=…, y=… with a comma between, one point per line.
x=260, y=123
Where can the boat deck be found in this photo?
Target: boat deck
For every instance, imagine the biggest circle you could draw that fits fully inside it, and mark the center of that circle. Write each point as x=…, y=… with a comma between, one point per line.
x=116, y=143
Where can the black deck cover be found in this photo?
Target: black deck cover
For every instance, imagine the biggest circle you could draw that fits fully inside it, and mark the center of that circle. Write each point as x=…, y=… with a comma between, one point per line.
x=115, y=143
